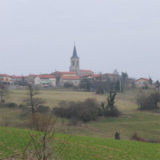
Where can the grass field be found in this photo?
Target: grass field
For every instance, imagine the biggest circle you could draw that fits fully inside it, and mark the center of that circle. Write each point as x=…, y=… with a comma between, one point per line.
x=125, y=102
x=93, y=140
x=83, y=147
x=146, y=124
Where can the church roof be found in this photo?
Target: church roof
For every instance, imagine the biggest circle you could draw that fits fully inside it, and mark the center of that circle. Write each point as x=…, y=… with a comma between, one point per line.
x=74, y=53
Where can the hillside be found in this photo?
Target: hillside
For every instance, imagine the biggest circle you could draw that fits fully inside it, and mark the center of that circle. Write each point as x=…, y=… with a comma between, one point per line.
x=146, y=124
x=83, y=147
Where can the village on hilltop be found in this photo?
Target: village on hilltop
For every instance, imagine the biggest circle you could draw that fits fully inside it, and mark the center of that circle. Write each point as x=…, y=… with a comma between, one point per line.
x=72, y=78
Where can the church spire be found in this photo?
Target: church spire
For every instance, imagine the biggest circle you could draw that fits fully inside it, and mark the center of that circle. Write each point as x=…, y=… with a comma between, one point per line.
x=75, y=62
x=74, y=52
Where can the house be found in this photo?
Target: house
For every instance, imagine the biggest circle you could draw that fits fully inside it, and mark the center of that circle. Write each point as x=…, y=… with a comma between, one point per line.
x=6, y=79
x=70, y=80
x=92, y=77
x=142, y=83
x=111, y=76
x=97, y=76
x=66, y=73
x=83, y=73
x=18, y=80
x=45, y=80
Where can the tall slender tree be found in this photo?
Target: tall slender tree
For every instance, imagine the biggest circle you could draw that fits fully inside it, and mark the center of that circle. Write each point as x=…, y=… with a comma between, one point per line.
x=4, y=91
x=32, y=100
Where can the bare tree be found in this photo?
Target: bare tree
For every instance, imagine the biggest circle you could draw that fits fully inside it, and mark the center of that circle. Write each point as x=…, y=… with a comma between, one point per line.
x=32, y=100
x=3, y=92
x=44, y=145
x=157, y=86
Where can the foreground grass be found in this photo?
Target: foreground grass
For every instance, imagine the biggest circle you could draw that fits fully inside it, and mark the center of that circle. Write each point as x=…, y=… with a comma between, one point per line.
x=146, y=124
x=83, y=147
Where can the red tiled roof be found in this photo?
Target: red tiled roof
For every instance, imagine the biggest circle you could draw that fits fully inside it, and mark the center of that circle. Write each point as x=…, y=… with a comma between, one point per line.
x=46, y=76
x=70, y=77
x=144, y=79
x=66, y=72
x=83, y=70
x=93, y=76
x=33, y=75
x=96, y=75
x=4, y=75
x=16, y=77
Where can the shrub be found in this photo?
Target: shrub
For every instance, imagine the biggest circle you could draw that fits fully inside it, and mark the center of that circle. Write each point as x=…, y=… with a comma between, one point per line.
x=68, y=85
x=43, y=109
x=22, y=106
x=43, y=145
x=136, y=137
x=148, y=102
x=117, y=135
x=88, y=110
x=78, y=111
x=11, y=105
x=100, y=90
x=109, y=109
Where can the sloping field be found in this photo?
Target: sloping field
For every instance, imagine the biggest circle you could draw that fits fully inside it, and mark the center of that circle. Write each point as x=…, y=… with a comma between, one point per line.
x=125, y=102
x=83, y=148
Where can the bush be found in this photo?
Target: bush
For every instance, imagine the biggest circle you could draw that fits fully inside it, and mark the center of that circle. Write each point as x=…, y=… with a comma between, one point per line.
x=88, y=110
x=78, y=111
x=136, y=137
x=117, y=136
x=109, y=109
x=22, y=106
x=11, y=105
x=43, y=109
x=68, y=85
x=100, y=90
x=148, y=102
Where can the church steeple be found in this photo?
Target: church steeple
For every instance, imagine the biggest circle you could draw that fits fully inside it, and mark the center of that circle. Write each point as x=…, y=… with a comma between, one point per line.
x=74, y=62
x=74, y=53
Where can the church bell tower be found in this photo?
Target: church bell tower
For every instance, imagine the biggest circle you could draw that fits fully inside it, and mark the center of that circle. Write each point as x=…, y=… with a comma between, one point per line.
x=75, y=62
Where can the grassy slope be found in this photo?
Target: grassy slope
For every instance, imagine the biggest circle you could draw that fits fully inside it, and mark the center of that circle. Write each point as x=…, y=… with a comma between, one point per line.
x=146, y=124
x=84, y=148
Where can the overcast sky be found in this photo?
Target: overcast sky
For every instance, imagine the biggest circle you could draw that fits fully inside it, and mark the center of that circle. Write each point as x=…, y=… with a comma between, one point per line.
x=37, y=36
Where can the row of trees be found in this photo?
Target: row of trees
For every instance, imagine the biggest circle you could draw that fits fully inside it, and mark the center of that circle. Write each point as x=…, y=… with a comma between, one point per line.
x=103, y=85
x=149, y=101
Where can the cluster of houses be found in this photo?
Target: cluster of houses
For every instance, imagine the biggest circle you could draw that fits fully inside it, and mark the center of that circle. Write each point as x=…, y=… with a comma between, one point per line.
x=72, y=77
x=60, y=79
x=53, y=80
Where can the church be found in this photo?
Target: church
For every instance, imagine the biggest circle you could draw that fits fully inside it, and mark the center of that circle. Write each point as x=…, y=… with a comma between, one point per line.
x=75, y=65
x=65, y=78
x=74, y=74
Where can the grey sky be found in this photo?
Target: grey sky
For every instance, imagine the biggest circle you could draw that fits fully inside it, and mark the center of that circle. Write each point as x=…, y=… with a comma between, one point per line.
x=37, y=36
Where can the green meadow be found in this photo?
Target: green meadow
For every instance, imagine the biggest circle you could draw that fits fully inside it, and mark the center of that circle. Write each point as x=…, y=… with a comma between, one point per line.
x=93, y=140
x=83, y=147
x=146, y=124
